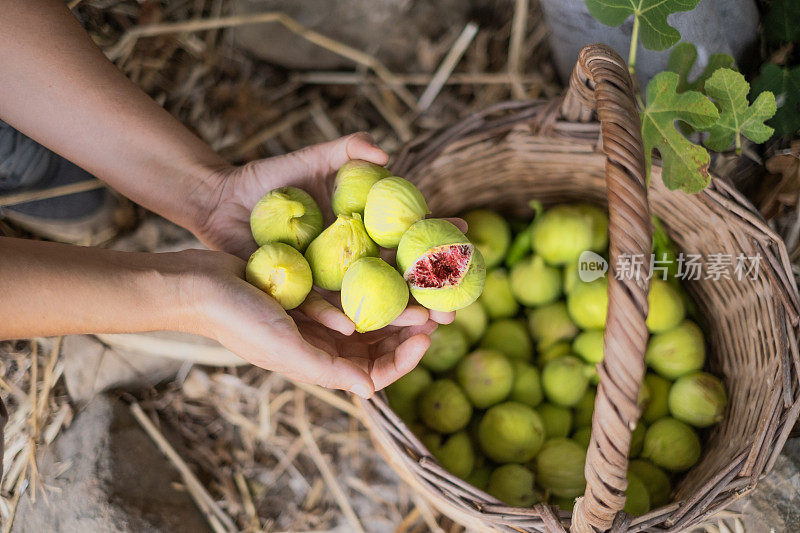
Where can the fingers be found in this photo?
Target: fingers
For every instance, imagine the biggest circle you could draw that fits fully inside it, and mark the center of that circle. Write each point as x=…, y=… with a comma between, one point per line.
x=390, y=342
x=413, y=315
x=313, y=365
x=441, y=317
x=320, y=310
x=324, y=158
x=360, y=145
x=393, y=365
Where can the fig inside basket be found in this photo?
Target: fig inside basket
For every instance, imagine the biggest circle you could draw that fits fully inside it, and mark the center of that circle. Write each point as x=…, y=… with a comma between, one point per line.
x=556, y=152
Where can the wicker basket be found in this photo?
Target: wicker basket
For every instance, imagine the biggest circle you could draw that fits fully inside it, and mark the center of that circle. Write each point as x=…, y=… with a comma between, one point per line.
x=516, y=151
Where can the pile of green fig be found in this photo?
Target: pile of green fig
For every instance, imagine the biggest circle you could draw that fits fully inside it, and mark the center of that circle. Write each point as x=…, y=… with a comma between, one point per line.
x=504, y=396
x=436, y=263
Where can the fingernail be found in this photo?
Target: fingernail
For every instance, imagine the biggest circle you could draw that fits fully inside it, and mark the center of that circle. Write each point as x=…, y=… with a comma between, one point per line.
x=360, y=390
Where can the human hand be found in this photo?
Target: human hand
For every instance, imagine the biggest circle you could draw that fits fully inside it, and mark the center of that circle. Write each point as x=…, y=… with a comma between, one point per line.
x=237, y=189
x=253, y=325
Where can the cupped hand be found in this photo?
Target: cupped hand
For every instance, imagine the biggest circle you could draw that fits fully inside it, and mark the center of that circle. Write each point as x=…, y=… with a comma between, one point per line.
x=317, y=342
x=296, y=344
x=313, y=169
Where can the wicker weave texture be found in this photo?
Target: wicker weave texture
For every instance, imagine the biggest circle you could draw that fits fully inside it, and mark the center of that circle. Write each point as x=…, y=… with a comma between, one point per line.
x=517, y=151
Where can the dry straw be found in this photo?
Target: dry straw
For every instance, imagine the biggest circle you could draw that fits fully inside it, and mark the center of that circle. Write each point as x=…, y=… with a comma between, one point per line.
x=516, y=151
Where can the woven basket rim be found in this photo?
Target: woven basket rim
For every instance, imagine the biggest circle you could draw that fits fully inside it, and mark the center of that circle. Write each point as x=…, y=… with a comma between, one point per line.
x=540, y=117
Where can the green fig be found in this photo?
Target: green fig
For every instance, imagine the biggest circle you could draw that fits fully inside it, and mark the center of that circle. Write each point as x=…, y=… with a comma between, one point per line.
x=472, y=320
x=455, y=452
x=353, y=182
x=564, y=381
x=677, y=352
x=535, y=283
x=557, y=420
x=486, y=376
x=589, y=345
x=587, y=304
x=490, y=233
x=444, y=407
x=373, y=294
x=520, y=246
x=497, y=298
x=637, y=440
x=671, y=444
x=513, y=484
x=562, y=233
x=585, y=408
x=393, y=205
x=565, y=504
x=443, y=269
x=599, y=226
x=666, y=306
x=288, y=215
x=657, y=407
x=698, y=399
x=511, y=432
x=280, y=271
x=559, y=466
x=527, y=386
x=448, y=346
x=551, y=323
x=637, y=499
x=553, y=351
x=570, y=277
x=654, y=479
x=509, y=336
x=341, y=244
x=479, y=478
x=403, y=393
x=582, y=436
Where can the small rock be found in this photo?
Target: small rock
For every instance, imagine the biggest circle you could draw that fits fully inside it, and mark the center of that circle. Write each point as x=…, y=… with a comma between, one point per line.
x=114, y=480
x=775, y=504
x=389, y=29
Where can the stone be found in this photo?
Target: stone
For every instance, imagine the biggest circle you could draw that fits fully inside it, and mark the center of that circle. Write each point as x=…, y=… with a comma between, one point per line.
x=714, y=26
x=388, y=29
x=775, y=503
x=104, y=474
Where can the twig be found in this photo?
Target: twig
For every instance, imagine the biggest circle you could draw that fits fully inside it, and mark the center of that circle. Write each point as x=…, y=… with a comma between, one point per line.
x=129, y=38
x=53, y=192
x=330, y=398
x=14, y=503
x=397, y=122
x=515, y=59
x=289, y=121
x=217, y=519
x=425, y=511
x=301, y=422
x=447, y=65
x=247, y=500
x=323, y=121
x=456, y=78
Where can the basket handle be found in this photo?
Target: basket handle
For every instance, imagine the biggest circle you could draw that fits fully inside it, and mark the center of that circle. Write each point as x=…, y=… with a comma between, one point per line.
x=601, y=83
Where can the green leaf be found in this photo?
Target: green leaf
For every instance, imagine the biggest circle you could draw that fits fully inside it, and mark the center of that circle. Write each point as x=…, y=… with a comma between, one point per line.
x=784, y=83
x=682, y=59
x=781, y=24
x=656, y=33
x=685, y=165
x=737, y=117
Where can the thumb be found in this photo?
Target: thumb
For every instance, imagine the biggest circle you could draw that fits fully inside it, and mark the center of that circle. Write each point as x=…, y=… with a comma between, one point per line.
x=318, y=367
x=324, y=158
